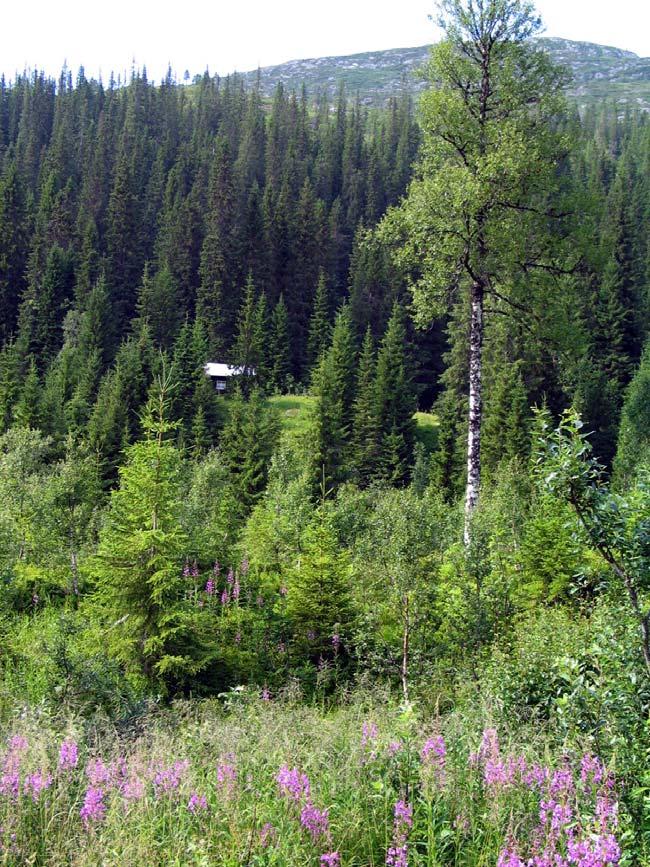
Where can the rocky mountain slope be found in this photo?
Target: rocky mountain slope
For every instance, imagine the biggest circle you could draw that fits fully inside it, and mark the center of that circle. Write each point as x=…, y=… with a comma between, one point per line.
x=599, y=72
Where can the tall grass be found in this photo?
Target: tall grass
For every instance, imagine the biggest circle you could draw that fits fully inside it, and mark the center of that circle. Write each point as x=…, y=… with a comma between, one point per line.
x=279, y=783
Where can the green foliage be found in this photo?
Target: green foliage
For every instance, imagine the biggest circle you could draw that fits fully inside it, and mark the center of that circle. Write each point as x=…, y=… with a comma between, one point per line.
x=617, y=526
x=246, y=445
x=396, y=557
x=633, y=449
x=279, y=355
x=395, y=404
x=210, y=512
x=318, y=604
x=334, y=386
x=151, y=627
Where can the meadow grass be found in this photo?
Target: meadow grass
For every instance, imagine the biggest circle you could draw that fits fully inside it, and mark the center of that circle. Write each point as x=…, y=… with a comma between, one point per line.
x=278, y=782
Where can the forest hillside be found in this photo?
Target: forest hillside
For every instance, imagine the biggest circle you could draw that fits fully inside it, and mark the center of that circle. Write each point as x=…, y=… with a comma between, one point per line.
x=325, y=463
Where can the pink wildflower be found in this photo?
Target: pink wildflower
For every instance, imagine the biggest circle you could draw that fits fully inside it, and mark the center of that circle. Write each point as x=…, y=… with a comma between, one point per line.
x=197, y=803
x=93, y=809
x=68, y=755
x=268, y=835
x=293, y=784
x=315, y=821
x=37, y=783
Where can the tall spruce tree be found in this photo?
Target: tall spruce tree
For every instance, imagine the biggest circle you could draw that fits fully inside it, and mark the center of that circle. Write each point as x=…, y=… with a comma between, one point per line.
x=395, y=403
x=279, y=355
x=139, y=564
x=365, y=440
x=320, y=330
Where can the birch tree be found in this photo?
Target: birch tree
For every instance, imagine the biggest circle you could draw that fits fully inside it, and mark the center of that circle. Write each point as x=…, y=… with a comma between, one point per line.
x=476, y=223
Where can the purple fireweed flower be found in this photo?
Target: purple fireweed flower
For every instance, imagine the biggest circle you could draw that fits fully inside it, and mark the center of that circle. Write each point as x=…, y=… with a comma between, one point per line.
x=330, y=859
x=186, y=569
x=536, y=777
x=591, y=771
x=168, y=779
x=336, y=641
x=225, y=596
x=230, y=577
x=404, y=814
x=397, y=855
x=236, y=589
x=293, y=784
x=10, y=776
x=394, y=747
x=510, y=858
x=97, y=772
x=433, y=755
x=197, y=803
x=17, y=744
x=268, y=835
x=562, y=784
x=68, y=755
x=10, y=784
x=244, y=566
x=93, y=809
x=266, y=694
x=210, y=587
x=603, y=851
x=489, y=748
x=369, y=734
x=226, y=777
x=434, y=750
x=36, y=783
x=315, y=821
x=494, y=774
x=132, y=789
x=216, y=569
x=607, y=812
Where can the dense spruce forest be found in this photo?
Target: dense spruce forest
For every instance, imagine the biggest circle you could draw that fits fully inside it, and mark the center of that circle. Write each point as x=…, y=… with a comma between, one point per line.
x=298, y=576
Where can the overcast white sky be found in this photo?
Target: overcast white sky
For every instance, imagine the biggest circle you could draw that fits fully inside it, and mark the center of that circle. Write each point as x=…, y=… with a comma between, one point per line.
x=224, y=35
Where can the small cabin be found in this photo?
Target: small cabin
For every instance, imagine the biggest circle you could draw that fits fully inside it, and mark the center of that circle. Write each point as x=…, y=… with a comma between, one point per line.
x=221, y=374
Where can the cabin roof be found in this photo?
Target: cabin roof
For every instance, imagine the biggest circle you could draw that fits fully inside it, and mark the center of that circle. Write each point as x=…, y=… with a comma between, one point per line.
x=222, y=371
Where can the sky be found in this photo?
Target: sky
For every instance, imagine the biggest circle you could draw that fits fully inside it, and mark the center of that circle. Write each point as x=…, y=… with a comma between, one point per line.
x=228, y=35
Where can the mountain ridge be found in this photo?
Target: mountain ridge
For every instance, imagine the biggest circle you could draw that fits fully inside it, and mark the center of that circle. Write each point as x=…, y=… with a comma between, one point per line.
x=599, y=72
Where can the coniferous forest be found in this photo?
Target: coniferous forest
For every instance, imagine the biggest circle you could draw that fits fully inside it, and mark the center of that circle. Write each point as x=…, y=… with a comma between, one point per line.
x=386, y=598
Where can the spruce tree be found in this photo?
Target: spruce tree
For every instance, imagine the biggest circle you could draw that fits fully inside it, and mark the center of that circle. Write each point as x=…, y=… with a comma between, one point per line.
x=139, y=565
x=27, y=411
x=279, y=357
x=320, y=329
x=247, y=442
x=395, y=403
x=319, y=605
x=365, y=446
x=634, y=436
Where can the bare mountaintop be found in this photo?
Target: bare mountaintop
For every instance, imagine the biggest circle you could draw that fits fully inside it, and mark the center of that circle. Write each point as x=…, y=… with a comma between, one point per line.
x=599, y=72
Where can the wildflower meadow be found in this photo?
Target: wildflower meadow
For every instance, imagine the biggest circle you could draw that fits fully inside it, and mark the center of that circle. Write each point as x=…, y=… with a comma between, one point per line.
x=272, y=782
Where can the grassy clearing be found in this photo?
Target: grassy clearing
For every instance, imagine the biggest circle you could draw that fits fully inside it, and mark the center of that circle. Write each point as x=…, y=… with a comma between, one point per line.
x=294, y=416
x=293, y=411
x=426, y=429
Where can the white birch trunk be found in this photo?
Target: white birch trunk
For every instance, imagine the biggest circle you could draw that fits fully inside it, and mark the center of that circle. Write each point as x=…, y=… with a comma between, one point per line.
x=475, y=408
